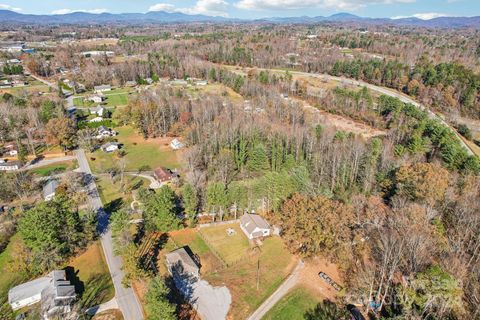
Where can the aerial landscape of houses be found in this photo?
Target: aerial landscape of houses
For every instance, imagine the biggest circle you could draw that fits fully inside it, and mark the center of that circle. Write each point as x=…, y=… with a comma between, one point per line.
x=239, y=160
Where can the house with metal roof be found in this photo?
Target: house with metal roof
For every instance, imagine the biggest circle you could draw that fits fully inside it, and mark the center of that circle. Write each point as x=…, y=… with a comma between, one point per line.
x=254, y=226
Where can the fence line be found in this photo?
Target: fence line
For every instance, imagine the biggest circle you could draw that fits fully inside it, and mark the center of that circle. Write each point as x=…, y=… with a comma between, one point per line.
x=218, y=223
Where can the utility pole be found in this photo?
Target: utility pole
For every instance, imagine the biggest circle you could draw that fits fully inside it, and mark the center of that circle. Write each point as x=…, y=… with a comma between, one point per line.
x=258, y=273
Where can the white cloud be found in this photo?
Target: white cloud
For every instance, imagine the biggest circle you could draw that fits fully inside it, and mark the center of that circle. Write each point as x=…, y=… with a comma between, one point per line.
x=163, y=7
x=295, y=4
x=424, y=16
x=66, y=11
x=9, y=7
x=205, y=7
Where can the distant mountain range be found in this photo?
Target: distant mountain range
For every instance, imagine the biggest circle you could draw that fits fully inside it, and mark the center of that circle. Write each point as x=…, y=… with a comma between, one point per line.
x=7, y=16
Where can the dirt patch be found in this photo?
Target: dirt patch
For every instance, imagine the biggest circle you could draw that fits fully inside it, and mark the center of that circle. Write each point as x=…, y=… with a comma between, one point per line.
x=310, y=279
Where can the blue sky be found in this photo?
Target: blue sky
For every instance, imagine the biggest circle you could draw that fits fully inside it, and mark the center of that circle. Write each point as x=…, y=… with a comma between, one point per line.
x=423, y=9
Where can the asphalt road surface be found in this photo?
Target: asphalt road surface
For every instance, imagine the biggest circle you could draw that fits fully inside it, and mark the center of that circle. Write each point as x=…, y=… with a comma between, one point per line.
x=126, y=299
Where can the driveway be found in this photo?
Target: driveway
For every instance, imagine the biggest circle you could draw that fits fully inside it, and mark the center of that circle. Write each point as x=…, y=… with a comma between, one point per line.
x=126, y=299
x=284, y=288
x=211, y=303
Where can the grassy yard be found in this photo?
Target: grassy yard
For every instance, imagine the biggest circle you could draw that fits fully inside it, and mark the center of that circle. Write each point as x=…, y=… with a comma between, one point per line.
x=240, y=277
x=112, y=196
x=140, y=153
x=116, y=97
x=231, y=248
x=92, y=276
x=293, y=306
x=54, y=168
x=8, y=278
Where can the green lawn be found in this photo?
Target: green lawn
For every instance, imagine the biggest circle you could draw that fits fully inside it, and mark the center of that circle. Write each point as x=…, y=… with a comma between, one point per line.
x=116, y=97
x=112, y=195
x=231, y=248
x=7, y=278
x=293, y=306
x=275, y=264
x=140, y=153
x=54, y=168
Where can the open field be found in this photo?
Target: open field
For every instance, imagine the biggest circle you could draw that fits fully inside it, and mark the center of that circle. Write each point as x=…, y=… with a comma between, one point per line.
x=230, y=248
x=219, y=90
x=294, y=305
x=140, y=153
x=275, y=264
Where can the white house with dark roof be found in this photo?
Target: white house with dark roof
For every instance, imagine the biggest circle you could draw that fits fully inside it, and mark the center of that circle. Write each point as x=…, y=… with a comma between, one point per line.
x=53, y=291
x=254, y=226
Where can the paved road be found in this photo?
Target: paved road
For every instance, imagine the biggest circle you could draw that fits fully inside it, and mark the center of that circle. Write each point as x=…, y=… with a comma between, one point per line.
x=47, y=161
x=382, y=90
x=288, y=284
x=126, y=299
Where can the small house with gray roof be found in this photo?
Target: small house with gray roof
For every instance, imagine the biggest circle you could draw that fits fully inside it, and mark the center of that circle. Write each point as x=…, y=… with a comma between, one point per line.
x=254, y=226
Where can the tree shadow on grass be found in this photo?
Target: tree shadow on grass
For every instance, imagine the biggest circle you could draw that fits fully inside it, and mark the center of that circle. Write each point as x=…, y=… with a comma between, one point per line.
x=326, y=310
x=114, y=205
x=96, y=291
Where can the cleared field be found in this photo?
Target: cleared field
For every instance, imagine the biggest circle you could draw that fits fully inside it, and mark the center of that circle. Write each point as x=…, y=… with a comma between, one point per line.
x=293, y=306
x=140, y=153
x=230, y=247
